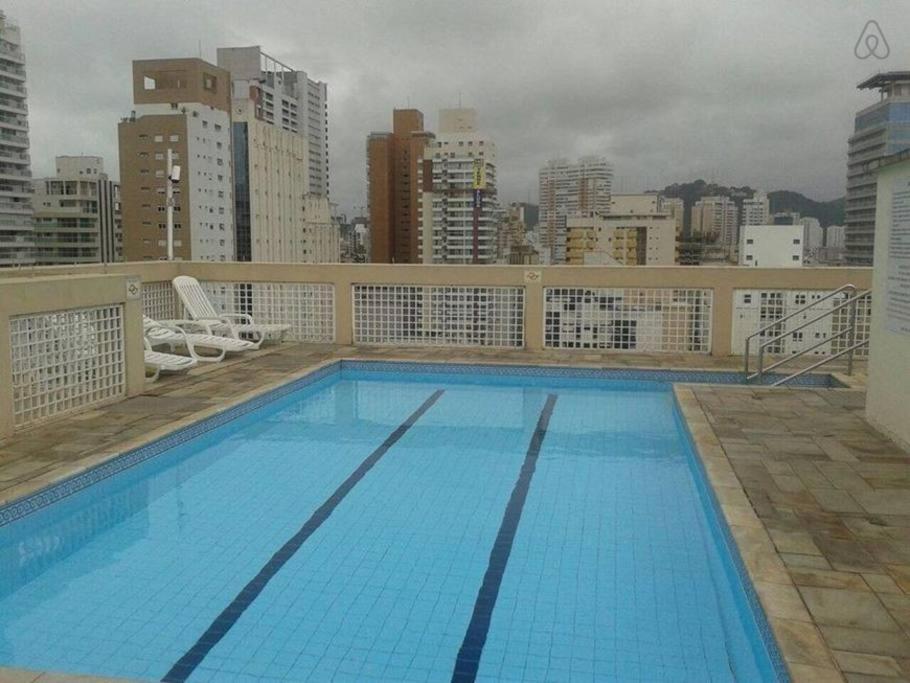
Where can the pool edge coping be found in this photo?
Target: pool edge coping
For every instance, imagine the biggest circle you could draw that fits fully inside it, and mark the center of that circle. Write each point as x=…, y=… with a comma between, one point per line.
x=757, y=553
x=753, y=543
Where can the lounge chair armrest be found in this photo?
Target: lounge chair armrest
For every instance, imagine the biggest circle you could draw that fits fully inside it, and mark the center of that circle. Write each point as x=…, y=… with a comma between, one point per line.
x=166, y=325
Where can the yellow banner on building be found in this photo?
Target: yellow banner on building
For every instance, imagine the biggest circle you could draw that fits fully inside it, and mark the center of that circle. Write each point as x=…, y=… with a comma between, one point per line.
x=480, y=180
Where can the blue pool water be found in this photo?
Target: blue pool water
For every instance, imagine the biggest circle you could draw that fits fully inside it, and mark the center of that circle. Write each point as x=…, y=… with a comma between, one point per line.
x=395, y=526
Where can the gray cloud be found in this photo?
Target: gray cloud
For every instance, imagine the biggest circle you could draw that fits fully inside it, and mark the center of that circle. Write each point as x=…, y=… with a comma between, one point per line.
x=757, y=93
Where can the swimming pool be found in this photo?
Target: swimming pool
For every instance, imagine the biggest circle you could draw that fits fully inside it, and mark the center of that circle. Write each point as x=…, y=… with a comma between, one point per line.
x=379, y=521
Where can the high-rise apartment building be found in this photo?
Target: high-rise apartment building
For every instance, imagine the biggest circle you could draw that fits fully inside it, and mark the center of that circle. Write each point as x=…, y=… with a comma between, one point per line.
x=835, y=236
x=182, y=105
x=287, y=99
x=459, y=205
x=813, y=238
x=567, y=188
x=756, y=210
x=77, y=214
x=636, y=231
x=17, y=243
x=878, y=130
x=674, y=207
x=716, y=218
x=393, y=193
x=277, y=216
x=643, y=239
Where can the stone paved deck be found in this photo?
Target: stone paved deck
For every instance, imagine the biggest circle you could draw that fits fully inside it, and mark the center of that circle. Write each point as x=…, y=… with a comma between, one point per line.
x=818, y=502
x=827, y=512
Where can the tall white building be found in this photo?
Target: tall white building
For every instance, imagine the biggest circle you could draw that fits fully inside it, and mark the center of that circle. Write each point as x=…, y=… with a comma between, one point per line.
x=286, y=98
x=17, y=243
x=676, y=209
x=771, y=246
x=879, y=130
x=715, y=221
x=567, y=188
x=459, y=206
x=813, y=238
x=756, y=210
x=278, y=216
x=77, y=214
x=835, y=235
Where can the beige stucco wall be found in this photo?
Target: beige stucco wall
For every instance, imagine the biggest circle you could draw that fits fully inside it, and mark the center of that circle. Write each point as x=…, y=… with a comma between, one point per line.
x=888, y=390
x=22, y=296
x=724, y=280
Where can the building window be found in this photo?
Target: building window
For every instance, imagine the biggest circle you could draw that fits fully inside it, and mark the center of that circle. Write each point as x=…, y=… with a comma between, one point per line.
x=149, y=83
x=174, y=138
x=750, y=241
x=796, y=240
x=796, y=257
x=159, y=138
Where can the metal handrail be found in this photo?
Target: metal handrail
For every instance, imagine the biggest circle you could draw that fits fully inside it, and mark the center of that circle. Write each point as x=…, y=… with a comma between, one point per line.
x=805, y=351
x=850, y=330
x=850, y=349
x=842, y=288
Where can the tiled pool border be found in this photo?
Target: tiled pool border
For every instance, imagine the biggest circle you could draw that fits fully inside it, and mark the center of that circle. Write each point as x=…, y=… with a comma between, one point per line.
x=688, y=412
x=707, y=487
x=727, y=377
x=11, y=511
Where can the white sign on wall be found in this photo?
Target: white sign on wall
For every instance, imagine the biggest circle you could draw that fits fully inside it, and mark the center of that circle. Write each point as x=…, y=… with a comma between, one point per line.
x=897, y=287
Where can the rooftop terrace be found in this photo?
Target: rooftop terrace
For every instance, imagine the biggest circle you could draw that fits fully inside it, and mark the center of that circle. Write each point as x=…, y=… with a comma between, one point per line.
x=817, y=501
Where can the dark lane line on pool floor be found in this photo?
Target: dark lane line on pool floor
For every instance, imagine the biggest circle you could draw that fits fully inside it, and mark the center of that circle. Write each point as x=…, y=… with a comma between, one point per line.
x=468, y=660
x=229, y=616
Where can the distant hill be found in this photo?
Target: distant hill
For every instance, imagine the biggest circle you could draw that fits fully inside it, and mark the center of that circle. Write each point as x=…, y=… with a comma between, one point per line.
x=827, y=213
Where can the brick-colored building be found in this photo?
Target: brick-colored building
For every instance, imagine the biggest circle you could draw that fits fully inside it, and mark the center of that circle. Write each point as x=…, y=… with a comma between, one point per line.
x=393, y=192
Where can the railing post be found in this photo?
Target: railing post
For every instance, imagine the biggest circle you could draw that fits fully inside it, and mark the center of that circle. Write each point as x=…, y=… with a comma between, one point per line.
x=344, y=311
x=533, y=310
x=746, y=357
x=722, y=321
x=851, y=334
x=134, y=351
x=6, y=379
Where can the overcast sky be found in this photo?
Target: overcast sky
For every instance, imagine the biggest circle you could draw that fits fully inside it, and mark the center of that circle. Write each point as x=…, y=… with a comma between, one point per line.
x=760, y=93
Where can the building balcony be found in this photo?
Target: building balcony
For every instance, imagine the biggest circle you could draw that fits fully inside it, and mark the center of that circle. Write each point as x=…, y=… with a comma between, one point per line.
x=12, y=106
x=12, y=89
x=10, y=53
x=13, y=140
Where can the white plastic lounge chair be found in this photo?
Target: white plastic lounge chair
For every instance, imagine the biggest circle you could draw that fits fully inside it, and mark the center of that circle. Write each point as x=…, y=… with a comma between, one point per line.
x=174, y=333
x=165, y=362
x=201, y=311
